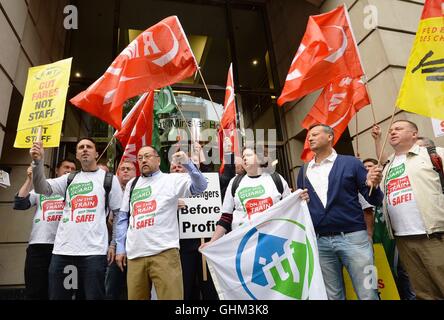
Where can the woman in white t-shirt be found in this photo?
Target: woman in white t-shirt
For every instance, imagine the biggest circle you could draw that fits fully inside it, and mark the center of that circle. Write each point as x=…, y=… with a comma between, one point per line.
x=249, y=195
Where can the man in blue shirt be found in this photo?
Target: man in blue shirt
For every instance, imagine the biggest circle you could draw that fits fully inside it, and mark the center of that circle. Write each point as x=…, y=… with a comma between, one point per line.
x=147, y=228
x=334, y=182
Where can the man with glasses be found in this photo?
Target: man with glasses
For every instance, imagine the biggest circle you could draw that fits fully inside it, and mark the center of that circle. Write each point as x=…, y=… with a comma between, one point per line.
x=147, y=228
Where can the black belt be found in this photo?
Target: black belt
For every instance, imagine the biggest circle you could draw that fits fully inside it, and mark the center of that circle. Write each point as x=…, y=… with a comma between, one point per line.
x=332, y=234
x=436, y=235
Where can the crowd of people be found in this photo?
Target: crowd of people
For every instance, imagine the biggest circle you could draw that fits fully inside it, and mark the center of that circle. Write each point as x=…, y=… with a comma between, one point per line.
x=121, y=232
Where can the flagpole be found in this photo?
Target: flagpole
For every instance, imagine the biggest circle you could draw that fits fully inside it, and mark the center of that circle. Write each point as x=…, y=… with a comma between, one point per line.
x=107, y=146
x=208, y=92
x=357, y=136
x=186, y=122
x=212, y=103
x=385, y=142
x=204, y=263
x=39, y=134
x=370, y=98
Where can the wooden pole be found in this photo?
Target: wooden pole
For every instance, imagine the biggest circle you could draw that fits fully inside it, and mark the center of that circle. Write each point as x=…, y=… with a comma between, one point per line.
x=385, y=142
x=357, y=136
x=39, y=133
x=204, y=263
x=209, y=95
x=107, y=146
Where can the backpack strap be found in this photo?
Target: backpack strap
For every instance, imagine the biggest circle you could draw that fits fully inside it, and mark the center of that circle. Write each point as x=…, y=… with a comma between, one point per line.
x=133, y=184
x=278, y=182
x=107, y=185
x=236, y=182
x=71, y=177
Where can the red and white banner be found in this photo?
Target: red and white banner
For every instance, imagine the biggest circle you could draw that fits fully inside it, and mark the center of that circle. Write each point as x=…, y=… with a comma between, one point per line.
x=335, y=107
x=328, y=51
x=158, y=57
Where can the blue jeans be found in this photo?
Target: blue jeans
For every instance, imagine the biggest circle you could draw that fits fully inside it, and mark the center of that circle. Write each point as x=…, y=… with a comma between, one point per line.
x=354, y=252
x=77, y=275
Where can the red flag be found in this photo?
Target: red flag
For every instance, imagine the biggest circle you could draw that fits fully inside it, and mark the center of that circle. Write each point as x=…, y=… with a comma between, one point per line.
x=130, y=120
x=228, y=122
x=328, y=51
x=433, y=9
x=335, y=107
x=142, y=131
x=158, y=57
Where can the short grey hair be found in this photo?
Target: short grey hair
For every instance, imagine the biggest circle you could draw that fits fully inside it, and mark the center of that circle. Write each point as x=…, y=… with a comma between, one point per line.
x=327, y=129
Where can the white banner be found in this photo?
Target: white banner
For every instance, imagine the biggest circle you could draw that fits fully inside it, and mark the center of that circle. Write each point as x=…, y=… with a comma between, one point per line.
x=198, y=219
x=274, y=257
x=438, y=127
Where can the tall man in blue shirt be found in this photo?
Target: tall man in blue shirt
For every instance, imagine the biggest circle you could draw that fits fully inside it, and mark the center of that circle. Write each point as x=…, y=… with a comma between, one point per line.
x=334, y=182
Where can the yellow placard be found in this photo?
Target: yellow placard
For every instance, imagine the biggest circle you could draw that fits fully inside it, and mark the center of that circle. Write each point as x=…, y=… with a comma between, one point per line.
x=50, y=136
x=45, y=94
x=422, y=89
x=386, y=284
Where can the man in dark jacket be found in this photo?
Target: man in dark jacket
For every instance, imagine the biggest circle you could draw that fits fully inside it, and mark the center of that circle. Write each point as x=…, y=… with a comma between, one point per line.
x=334, y=182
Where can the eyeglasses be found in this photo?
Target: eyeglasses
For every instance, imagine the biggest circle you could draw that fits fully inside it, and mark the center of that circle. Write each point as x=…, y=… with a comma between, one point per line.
x=146, y=156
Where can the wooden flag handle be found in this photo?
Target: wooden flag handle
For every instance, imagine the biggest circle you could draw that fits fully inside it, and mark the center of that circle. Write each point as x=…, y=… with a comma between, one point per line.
x=383, y=146
x=204, y=263
x=39, y=133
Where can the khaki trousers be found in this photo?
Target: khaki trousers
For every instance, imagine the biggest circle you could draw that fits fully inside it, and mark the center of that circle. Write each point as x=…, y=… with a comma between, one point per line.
x=423, y=259
x=163, y=270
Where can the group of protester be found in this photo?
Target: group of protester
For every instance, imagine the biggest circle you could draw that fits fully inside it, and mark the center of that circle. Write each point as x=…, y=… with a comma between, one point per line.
x=113, y=229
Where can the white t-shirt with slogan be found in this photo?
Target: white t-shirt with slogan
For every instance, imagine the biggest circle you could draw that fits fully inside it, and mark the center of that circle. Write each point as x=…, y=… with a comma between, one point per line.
x=404, y=214
x=153, y=225
x=82, y=230
x=48, y=212
x=253, y=196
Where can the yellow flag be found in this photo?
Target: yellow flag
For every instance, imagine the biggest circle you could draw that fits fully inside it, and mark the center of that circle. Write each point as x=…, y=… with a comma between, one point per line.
x=422, y=90
x=44, y=102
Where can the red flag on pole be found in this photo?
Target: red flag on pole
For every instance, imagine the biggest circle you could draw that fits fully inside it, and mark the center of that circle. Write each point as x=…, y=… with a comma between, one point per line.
x=130, y=120
x=328, y=51
x=335, y=107
x=158, y=57
x=228, y=122
x=142, y=130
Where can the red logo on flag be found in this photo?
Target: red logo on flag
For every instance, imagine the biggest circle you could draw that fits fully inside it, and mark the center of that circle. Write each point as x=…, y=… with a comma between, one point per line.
x=335, y=107
x=327, y=51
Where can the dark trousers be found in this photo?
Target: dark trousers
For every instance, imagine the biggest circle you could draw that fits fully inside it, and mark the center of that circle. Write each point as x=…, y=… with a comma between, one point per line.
x=38, y=259
x=71, y=275
x=194, y=287
x=403, y=284
x=115, y=283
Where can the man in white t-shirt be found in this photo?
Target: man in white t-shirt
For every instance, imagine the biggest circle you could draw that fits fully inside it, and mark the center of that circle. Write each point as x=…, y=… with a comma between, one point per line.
x=149, y=236
x=414, y=210
x=81, y=243
x=48, y=212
